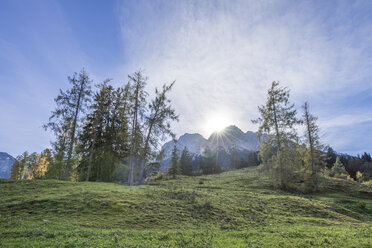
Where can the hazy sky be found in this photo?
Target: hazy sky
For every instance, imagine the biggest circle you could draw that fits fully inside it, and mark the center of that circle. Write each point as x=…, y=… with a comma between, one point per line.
x=222, y=54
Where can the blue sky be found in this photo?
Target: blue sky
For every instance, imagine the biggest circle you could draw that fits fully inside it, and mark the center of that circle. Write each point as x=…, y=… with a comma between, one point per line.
x=222, y=54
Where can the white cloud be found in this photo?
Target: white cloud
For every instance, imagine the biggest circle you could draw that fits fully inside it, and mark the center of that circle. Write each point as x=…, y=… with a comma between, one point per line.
x=225, y=54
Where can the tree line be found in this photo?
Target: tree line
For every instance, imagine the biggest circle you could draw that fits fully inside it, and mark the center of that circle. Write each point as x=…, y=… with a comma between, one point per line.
x=113, y=134
x=103, y=134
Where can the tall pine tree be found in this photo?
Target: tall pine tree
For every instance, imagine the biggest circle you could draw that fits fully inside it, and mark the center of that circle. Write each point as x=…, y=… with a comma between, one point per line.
x=173, y=168
x=186, y=163
x=138, y=99
x=312, y=140
x=65, y=119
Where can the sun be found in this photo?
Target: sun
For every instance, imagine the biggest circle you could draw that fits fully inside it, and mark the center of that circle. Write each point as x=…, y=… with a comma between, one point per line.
x=216, y=122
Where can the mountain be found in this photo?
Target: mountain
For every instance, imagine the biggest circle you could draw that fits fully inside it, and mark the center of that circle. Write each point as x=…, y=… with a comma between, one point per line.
x=6, y=163
x=194, y=142
x=233, y=138
x=229, y=139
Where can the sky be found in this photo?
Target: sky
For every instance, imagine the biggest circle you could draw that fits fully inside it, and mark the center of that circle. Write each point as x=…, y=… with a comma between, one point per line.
x=222, y=54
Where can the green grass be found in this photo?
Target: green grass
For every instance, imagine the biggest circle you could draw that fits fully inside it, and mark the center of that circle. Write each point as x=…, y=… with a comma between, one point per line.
x=233, y=209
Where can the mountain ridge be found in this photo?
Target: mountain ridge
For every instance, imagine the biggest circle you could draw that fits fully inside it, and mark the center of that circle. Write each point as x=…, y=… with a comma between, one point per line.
x=229, y=139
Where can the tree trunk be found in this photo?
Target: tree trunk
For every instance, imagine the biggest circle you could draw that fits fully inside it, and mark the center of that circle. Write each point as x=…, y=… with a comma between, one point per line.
x=72, y=138
x=313, y=167
x=91, y=154
x=144, y=157
x=134, y=138
x=143, y=161
x=279, y=158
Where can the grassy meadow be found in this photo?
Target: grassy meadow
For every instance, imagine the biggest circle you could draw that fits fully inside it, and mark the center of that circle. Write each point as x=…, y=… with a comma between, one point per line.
x=232, y=209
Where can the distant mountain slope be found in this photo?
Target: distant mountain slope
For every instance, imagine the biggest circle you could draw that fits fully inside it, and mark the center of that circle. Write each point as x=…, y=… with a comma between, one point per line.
x=6, y=163
x=230, y=138
x=195, y=143
x=234, y=138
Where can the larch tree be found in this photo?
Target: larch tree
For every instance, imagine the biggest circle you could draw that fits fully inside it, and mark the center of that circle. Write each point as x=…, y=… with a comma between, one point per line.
x=66, y=116
x=41, y=164
x=138, y=99
x=278, y=118
x=312, y=140
x=338, y=168
x=158, y=125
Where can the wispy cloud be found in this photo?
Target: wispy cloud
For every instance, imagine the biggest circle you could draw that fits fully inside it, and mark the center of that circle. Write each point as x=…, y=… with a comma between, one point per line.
x=225, y=54
x=35, y=58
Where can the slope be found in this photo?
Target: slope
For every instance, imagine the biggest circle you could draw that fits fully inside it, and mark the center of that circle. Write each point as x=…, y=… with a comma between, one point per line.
x=233, y=209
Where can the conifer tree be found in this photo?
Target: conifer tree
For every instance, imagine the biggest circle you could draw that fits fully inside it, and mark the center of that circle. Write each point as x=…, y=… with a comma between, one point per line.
x=158, y=124
x=252, y=159
x=138, y=99
x=65, y=120
x=277, y=119
x=209, y=162
x=331, y=157
x=312, y=140
x=21, y=167
x=16, y=170
x=338, y=168
x=104, y=139
x=41, y=164
x=173, y=169
x=186, y=163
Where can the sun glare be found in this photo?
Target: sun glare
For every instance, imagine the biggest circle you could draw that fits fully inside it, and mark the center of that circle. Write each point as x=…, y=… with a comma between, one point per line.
x=215, y=123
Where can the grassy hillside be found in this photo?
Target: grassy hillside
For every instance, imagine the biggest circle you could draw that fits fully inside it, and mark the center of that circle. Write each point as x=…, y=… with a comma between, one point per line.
x=233, y=209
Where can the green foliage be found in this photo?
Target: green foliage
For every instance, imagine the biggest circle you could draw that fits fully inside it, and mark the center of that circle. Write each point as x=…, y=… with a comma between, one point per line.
x=236, y=161
x=31, y=166
x=330, y=157
x=174, y=169
x=338, y=168
x=253, y=159
x=186, y=163
x=104, y=141
x=277, y=120
x=158, y=123
x=232, y=209
x=65, y=120
x=278, y=116
x=312, y=141
x=95, y=136
x=209, y=163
